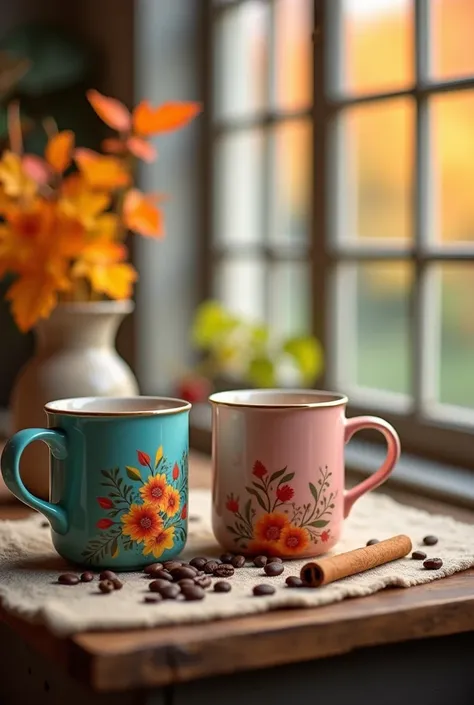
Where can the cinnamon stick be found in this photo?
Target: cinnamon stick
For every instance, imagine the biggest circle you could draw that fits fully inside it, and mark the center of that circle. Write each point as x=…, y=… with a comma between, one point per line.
x=332, y=568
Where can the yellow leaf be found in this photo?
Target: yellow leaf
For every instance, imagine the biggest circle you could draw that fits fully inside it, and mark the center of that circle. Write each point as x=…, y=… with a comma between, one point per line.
x=58, y=151
x=115, y=549
x=158, y=456
x=101, y=172
x=33, y=296
x=142, y=216
x=133, y=473
x=15, y=181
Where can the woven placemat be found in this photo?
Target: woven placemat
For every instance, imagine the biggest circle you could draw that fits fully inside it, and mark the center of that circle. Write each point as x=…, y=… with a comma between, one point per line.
x=29, y=568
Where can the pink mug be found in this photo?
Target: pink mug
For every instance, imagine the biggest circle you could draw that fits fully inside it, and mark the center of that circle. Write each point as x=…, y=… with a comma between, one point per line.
x=278, y=470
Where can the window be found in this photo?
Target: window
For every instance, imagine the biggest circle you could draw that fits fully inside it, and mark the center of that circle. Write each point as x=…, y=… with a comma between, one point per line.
x=341, y=196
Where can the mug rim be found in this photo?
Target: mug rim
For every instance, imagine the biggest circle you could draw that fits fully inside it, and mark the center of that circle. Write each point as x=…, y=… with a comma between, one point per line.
x=164, y=406
x=332, y=399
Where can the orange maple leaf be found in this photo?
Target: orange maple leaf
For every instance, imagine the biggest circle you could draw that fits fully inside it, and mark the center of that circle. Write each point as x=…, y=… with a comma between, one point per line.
x=141, y=215
x=111, y=111
x=103, y=173
x=164, y=118
x=34, y=295
x=58, y=152
x=101, y=262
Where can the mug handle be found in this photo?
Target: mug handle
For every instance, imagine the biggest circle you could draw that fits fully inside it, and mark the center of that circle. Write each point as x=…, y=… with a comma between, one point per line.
x=393, y=453
x=10, y=465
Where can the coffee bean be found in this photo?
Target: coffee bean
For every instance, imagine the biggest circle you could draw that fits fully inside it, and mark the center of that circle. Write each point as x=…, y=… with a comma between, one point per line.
x=418, y=555
x=198, y=562
x=106, y=586
x=227, y=557
x=183, y=572
x=432, y=563
x=372, y=542
x=170, y=592
x=193, y=592
x=157, y=585
x=238, y=561
x=294, y=582
x=162, y=575
x=274, y=569
x=224, y=570
x=44, y=524
x=222, y=586
x=430, y=540
x=107, y=575
x=211, y=566
x=118, y=585
x=275, y=559
x=260, y=561
x=153, y=599
x=68, y=579
x=203, y=581
x=186, y=582
x=170, y=565
x=263, y=590
x=87, y=577
x=152, y=568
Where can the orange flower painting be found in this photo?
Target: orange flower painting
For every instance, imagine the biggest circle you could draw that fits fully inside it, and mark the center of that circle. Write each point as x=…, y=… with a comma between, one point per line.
x=65, y=215
x=153, y=491
x=159, y=542
x=141, y=522
x=171, y=503
x=270, y=526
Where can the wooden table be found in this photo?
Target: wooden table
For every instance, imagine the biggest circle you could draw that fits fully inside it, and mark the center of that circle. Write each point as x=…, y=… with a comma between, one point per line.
x=373, y=649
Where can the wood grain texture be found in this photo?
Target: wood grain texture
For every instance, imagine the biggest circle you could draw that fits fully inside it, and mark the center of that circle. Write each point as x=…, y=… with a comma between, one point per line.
x=124, y=660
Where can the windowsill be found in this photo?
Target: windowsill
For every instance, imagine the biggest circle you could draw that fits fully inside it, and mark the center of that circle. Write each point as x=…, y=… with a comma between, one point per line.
x=428, y=478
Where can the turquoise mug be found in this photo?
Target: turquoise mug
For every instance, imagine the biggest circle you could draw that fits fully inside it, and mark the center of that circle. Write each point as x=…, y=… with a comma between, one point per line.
x=118, y=480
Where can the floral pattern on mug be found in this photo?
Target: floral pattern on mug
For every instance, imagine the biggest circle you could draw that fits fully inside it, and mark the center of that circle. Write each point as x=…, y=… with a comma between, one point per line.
x=284, y=527
x=146, y=511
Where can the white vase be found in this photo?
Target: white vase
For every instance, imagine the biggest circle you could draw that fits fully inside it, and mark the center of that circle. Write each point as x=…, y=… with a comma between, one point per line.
x=75, y=356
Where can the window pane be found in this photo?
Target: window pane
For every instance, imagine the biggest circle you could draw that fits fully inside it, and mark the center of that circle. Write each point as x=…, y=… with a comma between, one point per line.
x=241, y=60
x=375, y=178
x=456, y=374
x=452, y=119
x=291, y=181
x=290, y=299
x=239, y=187
x=452, y=48
x=374, y=326
x=293, y=53
x=377, y=45
x=240, y=285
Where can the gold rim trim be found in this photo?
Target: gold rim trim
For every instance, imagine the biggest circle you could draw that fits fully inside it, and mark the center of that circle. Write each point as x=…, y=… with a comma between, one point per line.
x=340, y=399
x=184, y=406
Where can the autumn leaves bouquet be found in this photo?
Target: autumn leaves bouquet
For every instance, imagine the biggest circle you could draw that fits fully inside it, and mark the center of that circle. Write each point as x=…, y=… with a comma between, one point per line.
x=65, y=216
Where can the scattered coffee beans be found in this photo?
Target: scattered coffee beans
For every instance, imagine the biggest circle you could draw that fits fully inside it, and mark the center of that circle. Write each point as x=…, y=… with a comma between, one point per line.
x=199, y=562
x=238, y=561
x=87, y=577
x=68, y=579
x=227, y=557
x=193, y=592
x=223, y=570
x=418, y=555
x=222, y=586
x=372, y=542
x=163, y=575
x=274, y=559
x=152, y=599
x=430, y=540
x=107, y=575
x=211, y=566
x=294, y=582
x=170, y=592
x=432, y=563
x=106, y=586
x=118, y=585
x=170, y=565
x=260, y=561
x=273, y=569
x=149, y=569
x=203, y=581
x=263, y=590
x=183, y=572
x=157, y=585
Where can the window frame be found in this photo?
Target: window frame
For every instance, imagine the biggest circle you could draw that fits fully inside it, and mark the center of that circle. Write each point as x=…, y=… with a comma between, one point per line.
x=421, y=434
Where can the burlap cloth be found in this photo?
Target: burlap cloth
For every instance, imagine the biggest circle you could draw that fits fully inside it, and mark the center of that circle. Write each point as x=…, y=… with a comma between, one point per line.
x=29, y=568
